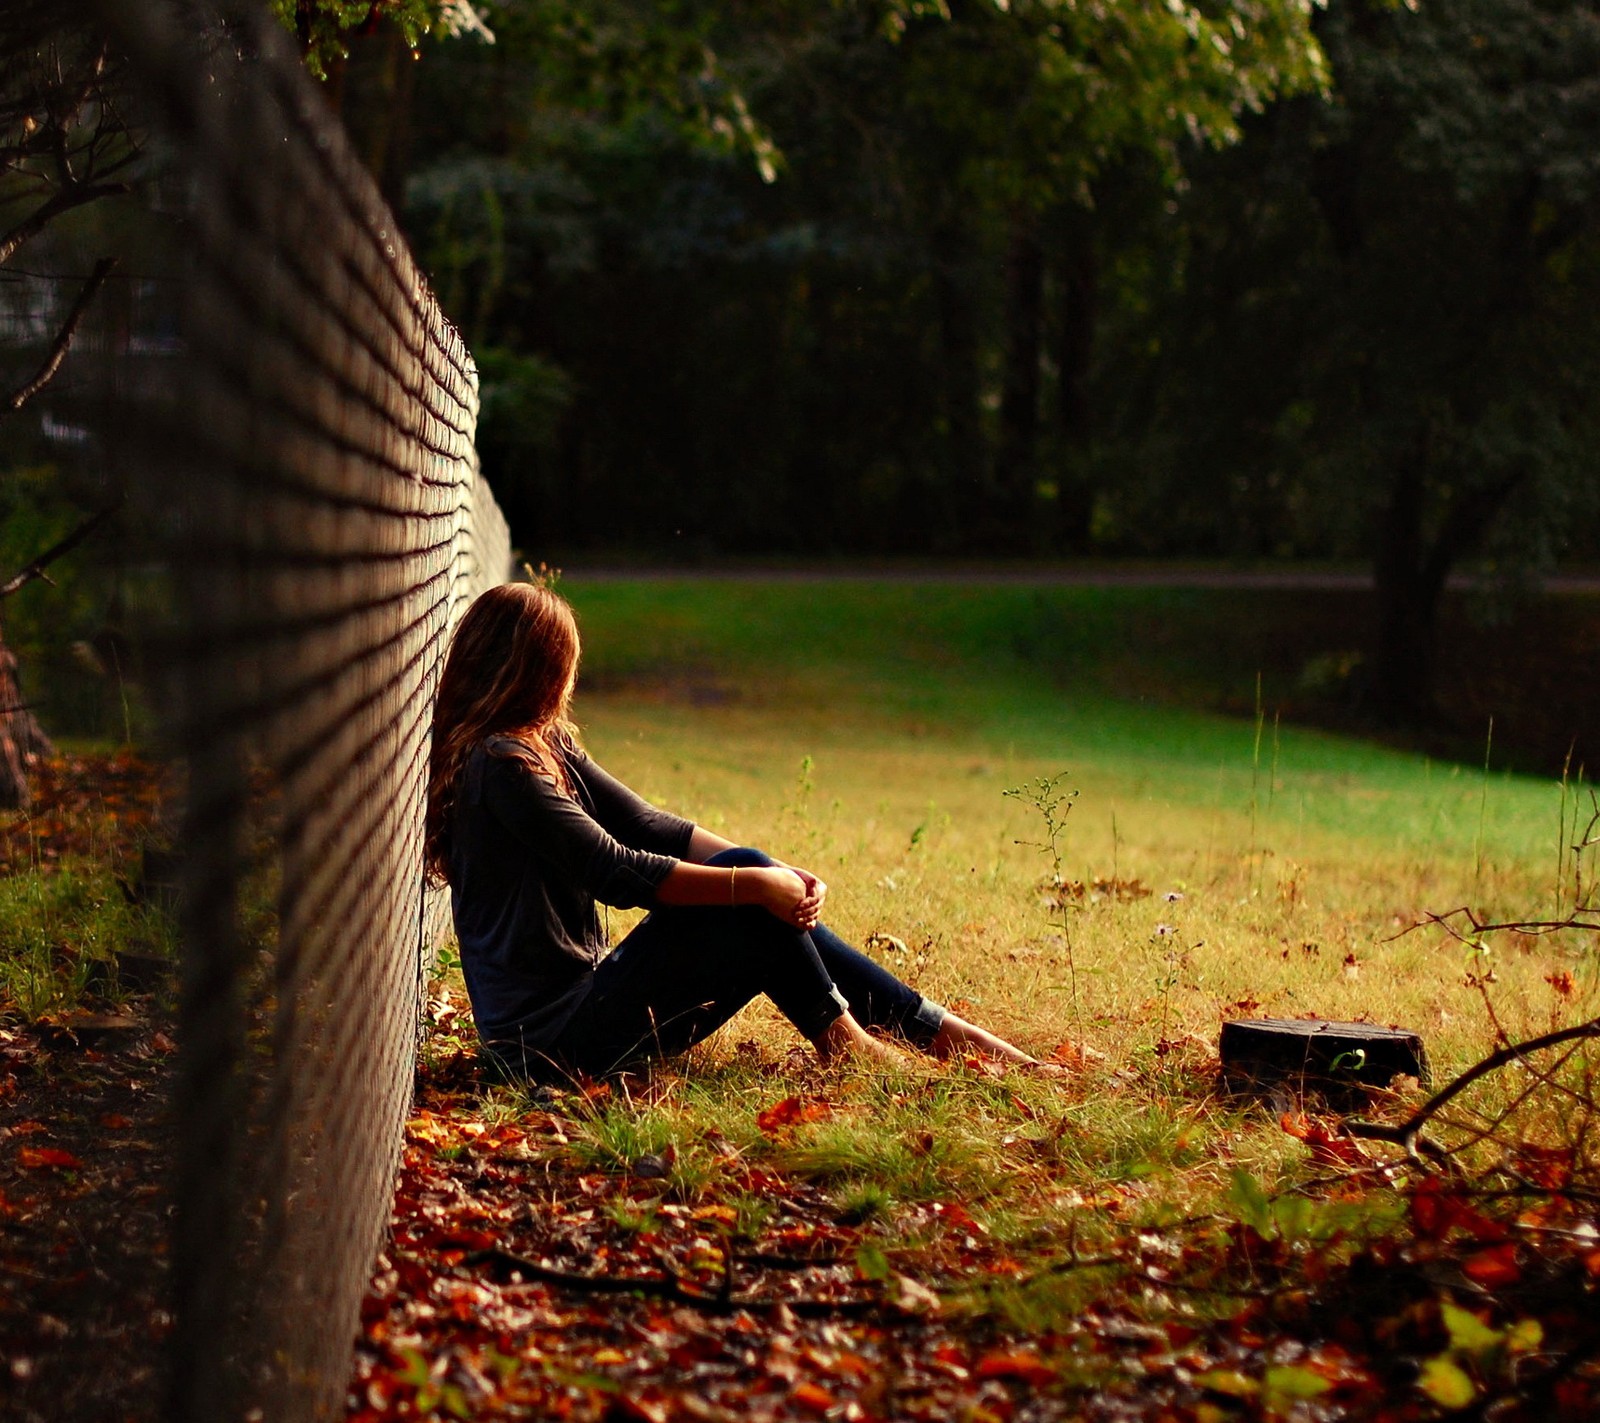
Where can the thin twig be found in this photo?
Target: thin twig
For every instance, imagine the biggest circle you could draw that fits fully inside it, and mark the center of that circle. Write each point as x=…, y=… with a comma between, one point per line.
x=1521, y=926
x=63, y=342
x=63, y=200
x=668, y=1287
x=36, y=569
x=1406, y=1134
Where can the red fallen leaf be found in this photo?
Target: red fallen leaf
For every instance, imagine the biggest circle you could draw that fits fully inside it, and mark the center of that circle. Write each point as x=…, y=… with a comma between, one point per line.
x=1494, y=1268
x=1436, y=1210
x=954, y=1214
x=162, y=1043
x=1017, y=1364
x=1326, y=1148
x=792, y=1111
x=1591, y=1263
x=1549, y=1167
x=647, y=1410
x=462, y=1238
x=47, y=1158
x=115, y=1121
x=813, y=1397
x=1573, y=1397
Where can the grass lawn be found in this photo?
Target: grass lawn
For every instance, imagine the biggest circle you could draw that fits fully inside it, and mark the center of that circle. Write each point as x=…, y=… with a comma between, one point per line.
x=873, y=731
x=745, y=1236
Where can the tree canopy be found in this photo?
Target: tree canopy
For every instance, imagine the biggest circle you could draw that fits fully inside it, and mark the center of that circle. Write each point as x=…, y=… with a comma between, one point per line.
x=1002, y=276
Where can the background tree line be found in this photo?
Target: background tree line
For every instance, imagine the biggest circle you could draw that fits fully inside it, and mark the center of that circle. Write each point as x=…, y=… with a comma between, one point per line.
x=1235, y=279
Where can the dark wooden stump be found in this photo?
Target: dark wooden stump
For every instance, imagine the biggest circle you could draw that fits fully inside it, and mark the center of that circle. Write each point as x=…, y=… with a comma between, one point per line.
x=103, y=1032
x=130, y=971
x=1333, y=1060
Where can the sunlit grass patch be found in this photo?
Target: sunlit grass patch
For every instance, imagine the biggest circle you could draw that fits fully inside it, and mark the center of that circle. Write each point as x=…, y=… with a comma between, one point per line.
x=61, y=934
x=1208, y=868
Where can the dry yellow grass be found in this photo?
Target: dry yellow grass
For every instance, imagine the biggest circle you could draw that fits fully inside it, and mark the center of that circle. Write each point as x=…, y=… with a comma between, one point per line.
x=1245, y=915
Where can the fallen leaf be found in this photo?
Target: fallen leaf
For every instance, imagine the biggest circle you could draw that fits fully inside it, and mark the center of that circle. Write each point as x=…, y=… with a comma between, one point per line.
x=913, y=1296
x=813, y=1396
x=792, y=1111
x=1017, y=1364
x=1292, y=1381
x=1229, y=1382
x=1447, y=1383
x=47, y=1158
x=1494, y=1268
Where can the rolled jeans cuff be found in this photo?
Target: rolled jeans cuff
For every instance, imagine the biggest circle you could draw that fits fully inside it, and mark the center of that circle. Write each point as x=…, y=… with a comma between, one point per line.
x=827, y=1011
x=929, y=1018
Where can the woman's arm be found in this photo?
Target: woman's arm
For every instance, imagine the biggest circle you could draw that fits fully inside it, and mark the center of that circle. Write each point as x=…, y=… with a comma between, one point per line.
x=775, y=888
x=703, y=844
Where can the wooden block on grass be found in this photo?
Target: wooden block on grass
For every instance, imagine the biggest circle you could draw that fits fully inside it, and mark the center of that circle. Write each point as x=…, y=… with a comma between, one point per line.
x=1334, y=1060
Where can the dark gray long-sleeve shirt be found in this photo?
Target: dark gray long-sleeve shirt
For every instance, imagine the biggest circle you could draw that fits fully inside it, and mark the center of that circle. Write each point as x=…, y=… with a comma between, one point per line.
x=527, y=866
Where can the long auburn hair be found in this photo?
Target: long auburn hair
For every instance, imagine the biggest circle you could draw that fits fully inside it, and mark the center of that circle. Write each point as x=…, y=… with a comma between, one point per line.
x=508, y=673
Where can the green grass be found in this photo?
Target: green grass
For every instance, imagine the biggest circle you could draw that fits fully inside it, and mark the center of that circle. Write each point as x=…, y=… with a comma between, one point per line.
x=60, y=933
x=1010, y=675
x=872, y=731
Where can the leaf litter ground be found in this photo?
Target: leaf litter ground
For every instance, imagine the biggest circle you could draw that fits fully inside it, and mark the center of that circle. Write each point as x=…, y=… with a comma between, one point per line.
x=554, y=1257
x=85, y=1138
x=530, y=1275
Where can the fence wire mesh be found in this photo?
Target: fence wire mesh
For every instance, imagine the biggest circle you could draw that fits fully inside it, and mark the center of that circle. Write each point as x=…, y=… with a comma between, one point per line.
x=293, y=420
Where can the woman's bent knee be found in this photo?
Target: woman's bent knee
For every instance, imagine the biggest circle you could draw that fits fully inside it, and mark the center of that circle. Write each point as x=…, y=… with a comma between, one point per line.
x=740, y=857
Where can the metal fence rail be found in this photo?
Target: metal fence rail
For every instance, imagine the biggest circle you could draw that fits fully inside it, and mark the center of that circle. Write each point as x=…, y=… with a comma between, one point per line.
x=306, y=473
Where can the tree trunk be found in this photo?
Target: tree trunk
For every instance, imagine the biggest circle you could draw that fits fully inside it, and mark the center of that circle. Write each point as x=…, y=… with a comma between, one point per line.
x=1407, y=607
x=1410, y=573
x=1016, y=469
x=378, y=86
x=22, y=739
x=958, y=341
x=1077, y=284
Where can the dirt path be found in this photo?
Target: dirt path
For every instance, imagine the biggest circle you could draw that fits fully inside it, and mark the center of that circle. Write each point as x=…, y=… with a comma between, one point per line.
x=1054, y=576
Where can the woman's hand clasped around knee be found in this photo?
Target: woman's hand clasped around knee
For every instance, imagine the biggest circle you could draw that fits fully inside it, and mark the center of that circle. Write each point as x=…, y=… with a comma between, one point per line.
x=784, y=893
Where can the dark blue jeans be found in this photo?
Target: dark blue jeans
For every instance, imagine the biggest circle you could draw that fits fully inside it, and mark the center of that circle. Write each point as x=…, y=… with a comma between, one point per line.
x=683, y=972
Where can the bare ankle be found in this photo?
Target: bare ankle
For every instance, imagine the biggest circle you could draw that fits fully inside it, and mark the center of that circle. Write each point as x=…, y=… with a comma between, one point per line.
x=958, y=1038
x=844, y=1038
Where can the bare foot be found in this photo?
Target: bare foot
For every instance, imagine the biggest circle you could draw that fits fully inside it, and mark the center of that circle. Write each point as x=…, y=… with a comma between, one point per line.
x=958, y=1038
x=844, y=1038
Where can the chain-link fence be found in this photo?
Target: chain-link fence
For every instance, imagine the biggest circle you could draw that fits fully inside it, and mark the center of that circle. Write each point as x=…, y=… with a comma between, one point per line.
x=292, y=420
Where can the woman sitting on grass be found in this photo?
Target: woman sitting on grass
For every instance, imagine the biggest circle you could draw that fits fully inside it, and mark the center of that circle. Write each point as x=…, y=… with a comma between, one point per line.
x=530, y=833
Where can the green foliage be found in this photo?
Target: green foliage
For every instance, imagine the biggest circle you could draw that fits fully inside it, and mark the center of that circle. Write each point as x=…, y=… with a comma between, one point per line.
x=523, y=397
x=767, y=243
x=64, y=631
x=323, y=28
x=59, y=934
x=1373, y=336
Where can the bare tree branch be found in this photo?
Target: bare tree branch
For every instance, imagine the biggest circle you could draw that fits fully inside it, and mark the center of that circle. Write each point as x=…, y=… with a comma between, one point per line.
x=63, y=342
x=1407, y=1133
x=36, y=569
x=59, y=202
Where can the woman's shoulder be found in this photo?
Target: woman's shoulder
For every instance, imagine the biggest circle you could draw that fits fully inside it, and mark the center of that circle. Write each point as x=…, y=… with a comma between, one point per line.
x=510, y=757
